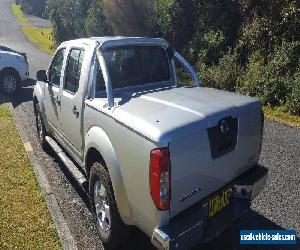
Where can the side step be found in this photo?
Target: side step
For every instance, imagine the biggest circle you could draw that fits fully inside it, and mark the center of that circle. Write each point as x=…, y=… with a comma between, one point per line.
x=67, y=162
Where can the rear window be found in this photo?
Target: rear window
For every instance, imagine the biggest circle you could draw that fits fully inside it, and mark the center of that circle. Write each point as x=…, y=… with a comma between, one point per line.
x=131, y=66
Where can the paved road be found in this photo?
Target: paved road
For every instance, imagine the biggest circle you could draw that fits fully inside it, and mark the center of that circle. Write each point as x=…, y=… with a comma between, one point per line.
x=277, y=207
x=38, y=21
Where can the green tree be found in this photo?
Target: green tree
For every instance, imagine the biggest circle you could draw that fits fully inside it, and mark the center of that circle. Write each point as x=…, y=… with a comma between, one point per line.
x=67, y=17
x=175, y=21
x=130, y=17
x=96, y=23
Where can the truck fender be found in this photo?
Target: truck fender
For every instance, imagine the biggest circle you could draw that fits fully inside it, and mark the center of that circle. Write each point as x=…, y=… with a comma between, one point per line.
x=14, y=68
x=38, y=97
x=97, y=139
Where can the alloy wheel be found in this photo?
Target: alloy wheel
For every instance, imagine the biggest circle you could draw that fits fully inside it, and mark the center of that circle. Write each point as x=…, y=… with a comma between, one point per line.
x=101, y=206
x=40, y=126
x=9, y=83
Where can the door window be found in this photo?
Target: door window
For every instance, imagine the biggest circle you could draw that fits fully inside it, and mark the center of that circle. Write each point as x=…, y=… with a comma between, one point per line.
x=100, y=83
x=73, y=71
x=56, y=67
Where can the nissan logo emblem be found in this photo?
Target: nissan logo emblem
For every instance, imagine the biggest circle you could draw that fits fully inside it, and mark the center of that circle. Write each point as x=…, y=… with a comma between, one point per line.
x=224, y=127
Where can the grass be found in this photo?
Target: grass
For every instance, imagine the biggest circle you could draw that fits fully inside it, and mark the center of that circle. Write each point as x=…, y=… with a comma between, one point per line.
x=281, y=116
x=25, y=222
x=40, y=36
x=19, y=14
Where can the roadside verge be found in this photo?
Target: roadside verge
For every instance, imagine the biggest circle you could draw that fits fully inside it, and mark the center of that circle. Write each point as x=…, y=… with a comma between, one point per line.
x=40, y=36
x=24, y=217
x=280, y=116
x=45, y=194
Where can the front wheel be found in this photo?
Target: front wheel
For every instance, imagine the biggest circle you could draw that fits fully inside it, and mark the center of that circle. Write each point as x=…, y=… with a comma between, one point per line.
x=9, y=82
x=112, y=230
x=41, y=131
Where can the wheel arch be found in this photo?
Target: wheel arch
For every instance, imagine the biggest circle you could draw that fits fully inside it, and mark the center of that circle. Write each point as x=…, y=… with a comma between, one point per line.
x=99, y=148
x=37, y=97
x=10, y=69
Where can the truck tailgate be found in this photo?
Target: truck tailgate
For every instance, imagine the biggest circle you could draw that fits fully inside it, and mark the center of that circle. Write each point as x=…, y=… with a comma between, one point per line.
x=204, y=161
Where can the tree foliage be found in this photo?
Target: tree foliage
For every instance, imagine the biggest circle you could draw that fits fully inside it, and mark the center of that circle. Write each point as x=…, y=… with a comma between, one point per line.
x=130, y=18
x=249, y=46
x=96, y=23
x=34, y=7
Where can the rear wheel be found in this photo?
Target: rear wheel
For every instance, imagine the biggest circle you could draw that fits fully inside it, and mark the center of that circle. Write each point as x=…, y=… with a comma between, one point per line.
x=112, y=230
x=9, y=82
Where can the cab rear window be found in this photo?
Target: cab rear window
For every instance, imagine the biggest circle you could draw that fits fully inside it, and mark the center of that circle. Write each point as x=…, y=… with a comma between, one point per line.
x=131, y=66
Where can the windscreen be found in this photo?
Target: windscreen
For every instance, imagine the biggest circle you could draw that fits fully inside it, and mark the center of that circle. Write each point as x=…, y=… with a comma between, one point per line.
x=131, y=66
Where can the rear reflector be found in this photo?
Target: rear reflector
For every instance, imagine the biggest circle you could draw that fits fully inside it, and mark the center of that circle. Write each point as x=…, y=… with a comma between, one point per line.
x=160, y=178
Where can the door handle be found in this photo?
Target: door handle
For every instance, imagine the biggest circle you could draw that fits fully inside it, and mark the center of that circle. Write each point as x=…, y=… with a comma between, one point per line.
x=75, y=111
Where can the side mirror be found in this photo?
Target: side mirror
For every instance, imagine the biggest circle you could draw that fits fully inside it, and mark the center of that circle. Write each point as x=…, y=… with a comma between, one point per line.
x=41, y=76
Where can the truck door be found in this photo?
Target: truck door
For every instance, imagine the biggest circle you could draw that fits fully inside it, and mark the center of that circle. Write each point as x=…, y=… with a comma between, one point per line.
x=72, y=101
x=52, y=90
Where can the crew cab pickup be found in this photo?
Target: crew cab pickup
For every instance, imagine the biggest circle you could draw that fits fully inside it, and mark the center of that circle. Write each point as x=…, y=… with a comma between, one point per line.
x=178, y=161
x=13, y=69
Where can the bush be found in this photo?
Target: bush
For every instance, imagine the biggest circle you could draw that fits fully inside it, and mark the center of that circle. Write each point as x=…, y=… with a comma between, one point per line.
x=221, y=76
x=269, y=78
x=293, y=98
x=96, y=23
x=250, y=82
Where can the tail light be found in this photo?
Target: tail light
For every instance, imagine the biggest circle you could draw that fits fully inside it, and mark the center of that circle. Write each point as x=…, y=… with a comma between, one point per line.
x=160, y=178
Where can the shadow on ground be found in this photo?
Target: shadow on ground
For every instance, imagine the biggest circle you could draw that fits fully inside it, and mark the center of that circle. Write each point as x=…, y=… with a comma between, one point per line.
x=24, y=93
x=3, y=99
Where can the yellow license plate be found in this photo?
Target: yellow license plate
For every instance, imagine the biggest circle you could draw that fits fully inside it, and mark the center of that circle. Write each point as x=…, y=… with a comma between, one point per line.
x=217, y=203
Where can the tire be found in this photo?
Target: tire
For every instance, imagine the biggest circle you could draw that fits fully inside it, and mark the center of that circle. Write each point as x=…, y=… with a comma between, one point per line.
x=9, y=82
x=41, y=131
x=111, y=229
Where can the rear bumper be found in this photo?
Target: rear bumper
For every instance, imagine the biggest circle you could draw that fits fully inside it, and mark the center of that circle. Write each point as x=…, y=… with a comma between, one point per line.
x=193, y=225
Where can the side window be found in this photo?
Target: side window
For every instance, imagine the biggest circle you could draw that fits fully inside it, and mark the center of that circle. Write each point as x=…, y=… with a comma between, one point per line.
x=100, y=83
x=73, y=71
x=56, y=67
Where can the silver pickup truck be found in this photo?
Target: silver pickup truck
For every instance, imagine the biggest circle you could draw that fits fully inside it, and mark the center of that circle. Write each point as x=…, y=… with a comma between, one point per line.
x=178, y=161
